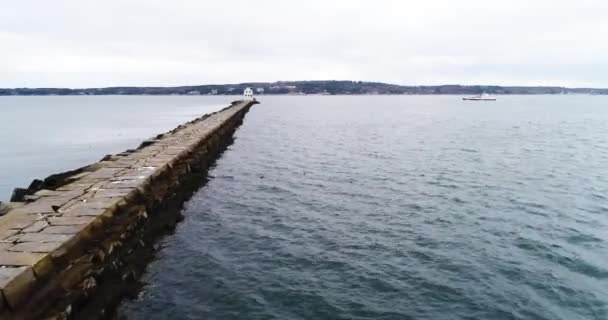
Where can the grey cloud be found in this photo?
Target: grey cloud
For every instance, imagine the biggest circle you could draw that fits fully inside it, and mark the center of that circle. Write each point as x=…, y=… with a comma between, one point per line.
x=135, y=42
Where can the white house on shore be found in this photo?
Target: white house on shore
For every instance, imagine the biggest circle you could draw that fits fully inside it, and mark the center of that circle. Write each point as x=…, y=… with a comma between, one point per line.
x=248, y=94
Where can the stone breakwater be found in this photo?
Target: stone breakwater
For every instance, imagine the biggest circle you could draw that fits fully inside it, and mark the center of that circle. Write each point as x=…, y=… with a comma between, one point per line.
x=71, y=242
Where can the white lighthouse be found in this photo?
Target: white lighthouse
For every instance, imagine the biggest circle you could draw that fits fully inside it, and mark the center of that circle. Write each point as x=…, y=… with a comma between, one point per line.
x=248, y=94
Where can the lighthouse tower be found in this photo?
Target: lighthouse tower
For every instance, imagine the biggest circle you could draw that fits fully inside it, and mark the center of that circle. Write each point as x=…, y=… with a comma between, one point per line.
x=248, y=94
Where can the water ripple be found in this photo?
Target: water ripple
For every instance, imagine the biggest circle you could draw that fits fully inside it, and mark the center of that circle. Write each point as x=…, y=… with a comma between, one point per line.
x=325, y=208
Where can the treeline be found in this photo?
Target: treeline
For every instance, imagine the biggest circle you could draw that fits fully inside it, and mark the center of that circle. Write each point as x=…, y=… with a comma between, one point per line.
x=302, y=87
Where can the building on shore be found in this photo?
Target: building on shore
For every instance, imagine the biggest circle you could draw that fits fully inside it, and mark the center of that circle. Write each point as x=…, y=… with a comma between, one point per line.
x=248, y=94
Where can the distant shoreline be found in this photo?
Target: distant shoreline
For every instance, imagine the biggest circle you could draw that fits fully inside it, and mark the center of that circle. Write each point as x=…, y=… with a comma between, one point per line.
x=305, y=88
x=298, y=95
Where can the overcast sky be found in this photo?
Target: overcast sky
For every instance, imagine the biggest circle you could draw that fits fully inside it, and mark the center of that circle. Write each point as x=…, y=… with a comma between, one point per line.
x=81, y=43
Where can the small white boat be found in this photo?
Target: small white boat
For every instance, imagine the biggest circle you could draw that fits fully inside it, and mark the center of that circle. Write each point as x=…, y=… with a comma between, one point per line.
x=480, y=97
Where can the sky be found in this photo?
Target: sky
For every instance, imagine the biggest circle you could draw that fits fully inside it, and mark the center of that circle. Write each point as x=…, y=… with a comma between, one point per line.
x=86, y=43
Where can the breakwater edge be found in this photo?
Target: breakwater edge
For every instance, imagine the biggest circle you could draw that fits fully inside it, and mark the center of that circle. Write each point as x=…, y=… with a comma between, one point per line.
x=69, y=240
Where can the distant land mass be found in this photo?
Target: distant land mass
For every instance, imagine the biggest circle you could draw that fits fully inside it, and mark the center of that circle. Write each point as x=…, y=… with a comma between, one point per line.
x=303, y=87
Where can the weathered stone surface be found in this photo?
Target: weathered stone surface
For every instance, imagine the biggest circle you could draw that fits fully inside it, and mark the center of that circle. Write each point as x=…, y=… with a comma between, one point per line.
x=36, y=247
x=157, y=163
x=72, y=229
x=175, y=150
x=8, y=258
x=70, y=221
x=16, y=283
x=7, y=233
x=80, y=175
x=6, y=207
x=43, y=237
x=36, y=226
x=84, y=209
x=62, y=194
x=17, y=221
x=30, y=197
x=79, y=185
x=112, y=193
x=121, y=164
x=44, y=205
x=44, y=192
x=103, y=173
x=131, y=176
x=121, y=184
x=41, y=263
x=99, y=203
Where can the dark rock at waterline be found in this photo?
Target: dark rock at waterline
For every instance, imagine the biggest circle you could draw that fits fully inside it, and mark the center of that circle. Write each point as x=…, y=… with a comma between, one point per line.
x=36, y=184
x=19, y=194
x=51, y=182
x=146, y=143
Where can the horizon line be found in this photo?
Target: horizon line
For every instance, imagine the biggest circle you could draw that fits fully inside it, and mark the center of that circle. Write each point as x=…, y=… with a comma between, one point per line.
x=295, y=81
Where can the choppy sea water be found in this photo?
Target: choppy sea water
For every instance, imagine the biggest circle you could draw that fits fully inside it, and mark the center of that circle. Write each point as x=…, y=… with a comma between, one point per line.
x=421, y=207
x=40, y=136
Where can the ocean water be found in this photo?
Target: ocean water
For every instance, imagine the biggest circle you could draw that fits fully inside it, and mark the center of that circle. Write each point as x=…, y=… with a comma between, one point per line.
x=40, y=136
x=350, y=207
x=396, y=207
